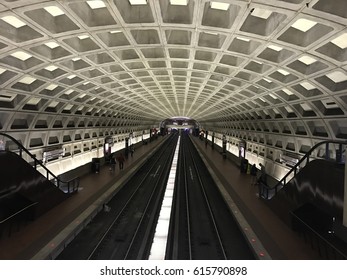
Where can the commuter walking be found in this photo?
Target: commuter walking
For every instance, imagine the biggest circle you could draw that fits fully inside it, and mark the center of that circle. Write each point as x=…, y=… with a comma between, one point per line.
x=263, y=176
x=121, y=160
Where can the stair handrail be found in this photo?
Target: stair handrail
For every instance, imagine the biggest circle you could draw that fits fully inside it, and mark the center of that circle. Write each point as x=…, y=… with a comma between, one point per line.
x=294, y=169
x=73, y=183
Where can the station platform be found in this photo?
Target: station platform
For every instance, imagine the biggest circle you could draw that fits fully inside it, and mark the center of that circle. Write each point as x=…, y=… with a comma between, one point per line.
x=45, y=237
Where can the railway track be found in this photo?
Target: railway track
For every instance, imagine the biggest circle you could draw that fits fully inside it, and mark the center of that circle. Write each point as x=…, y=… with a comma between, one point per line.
x=125, y=230
x=201, y=226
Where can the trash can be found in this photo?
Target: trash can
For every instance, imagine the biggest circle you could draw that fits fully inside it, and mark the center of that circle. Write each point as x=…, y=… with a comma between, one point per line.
x=95, y=165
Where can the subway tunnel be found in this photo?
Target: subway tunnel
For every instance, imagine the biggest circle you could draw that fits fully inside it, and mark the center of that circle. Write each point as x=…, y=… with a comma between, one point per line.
x=269, y=73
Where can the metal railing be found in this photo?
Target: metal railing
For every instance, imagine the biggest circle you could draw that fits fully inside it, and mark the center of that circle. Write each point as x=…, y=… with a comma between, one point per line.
x=267, y=192
x=70, y=186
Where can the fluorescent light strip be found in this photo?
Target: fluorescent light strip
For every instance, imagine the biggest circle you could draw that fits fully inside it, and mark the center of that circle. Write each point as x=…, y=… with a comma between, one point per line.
x=275, y=48
x=307, y=85
x=158, y=248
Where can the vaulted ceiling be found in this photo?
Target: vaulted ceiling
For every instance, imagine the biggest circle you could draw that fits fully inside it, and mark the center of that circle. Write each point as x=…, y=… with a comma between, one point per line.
x=268, y=66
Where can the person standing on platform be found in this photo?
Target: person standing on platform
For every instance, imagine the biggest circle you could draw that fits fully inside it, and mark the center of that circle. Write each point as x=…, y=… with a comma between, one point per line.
x=113, y=164
x=121, y=160
x=254, y=171
x=262, y=178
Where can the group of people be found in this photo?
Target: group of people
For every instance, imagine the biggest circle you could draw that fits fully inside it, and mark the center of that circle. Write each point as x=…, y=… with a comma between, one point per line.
x=258, y=177
x=117, y=158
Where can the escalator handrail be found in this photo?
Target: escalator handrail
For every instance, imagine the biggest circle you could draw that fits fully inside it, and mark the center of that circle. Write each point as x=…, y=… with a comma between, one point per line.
x=306, y=156
x=17, y=213
x=37, y=162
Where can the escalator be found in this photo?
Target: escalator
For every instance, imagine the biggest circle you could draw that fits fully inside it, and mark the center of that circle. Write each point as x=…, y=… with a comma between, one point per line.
x=25, y=193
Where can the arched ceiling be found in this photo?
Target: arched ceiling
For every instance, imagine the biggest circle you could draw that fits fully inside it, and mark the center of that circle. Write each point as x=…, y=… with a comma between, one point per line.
x=276, y=66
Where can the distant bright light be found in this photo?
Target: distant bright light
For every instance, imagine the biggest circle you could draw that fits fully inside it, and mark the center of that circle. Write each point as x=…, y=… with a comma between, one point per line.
x=220, y=6
x=96, y=4
x=303, y=24
x=54, y=11
x=179, y=2
x=52, y=45
x=341, y=41
x=15, y=22
x=115, y=31
x=21, y=55
x=71, y=77
x=337, y=76
x=275, y=48
x=261, y=13
x=307, y=60
x=267, y=80
x=138, y=2
x=76, y=59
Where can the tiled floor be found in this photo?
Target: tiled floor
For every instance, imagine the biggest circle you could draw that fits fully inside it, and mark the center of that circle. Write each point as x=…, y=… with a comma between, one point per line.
x=279, y=240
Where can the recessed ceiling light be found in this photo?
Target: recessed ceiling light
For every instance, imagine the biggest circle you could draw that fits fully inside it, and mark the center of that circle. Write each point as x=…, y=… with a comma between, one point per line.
x=261, y=13
x=96, y=4
x=287, y=91
x=71, y=77
x=86, y=83
x=275, y=48
x=68, y=107
x=115, y=31
x=273, y=96
x=267, y=80
x=51, y=68
x=21, y=55
x=53, y=104
x=303, y=24
x=307, y=85
x=138, y=2
x=220, y=6
x=341, y=41
x=306, y=107
x=68, y=92
x=76, y=59
x=179, y=2
x=307, y=60
x=283, y=72
x=27, y=80
x=15, y=22
x=54, y=11
x=258, y=62
x=51, y=87
x=82, y=37
x=34, y=101
x=243, y=39
x=52, y=45
x=2, y=70
x=337, y=76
